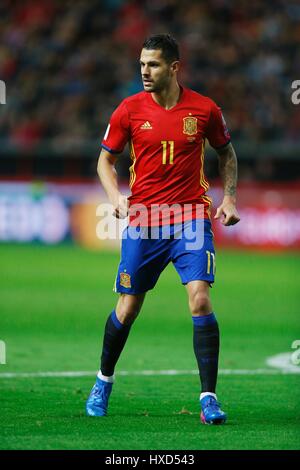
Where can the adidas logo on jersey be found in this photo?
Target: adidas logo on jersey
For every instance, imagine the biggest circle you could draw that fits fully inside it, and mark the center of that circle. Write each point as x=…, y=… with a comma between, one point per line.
x=146, y=125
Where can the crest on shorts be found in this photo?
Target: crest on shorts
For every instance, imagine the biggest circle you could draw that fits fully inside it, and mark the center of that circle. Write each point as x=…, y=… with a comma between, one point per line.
x=125, y=280
x=190, y=125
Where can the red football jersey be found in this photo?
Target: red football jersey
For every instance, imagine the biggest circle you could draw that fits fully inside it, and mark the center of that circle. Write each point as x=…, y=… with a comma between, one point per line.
x=167, y=147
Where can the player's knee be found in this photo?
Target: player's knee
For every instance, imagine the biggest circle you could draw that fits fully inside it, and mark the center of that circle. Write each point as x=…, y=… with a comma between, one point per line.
x=128, y=309
x=200, y=303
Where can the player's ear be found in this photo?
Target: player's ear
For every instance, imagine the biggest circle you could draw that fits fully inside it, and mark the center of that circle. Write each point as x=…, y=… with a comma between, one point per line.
x=175, y=66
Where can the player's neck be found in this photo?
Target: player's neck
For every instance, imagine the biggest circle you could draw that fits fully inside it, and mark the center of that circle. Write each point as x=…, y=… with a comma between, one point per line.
x=169, y=97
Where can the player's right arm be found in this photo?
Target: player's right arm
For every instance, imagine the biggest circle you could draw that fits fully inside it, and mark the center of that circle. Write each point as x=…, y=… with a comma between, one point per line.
x=219, y=138
x=116, y=136
x=108, y=177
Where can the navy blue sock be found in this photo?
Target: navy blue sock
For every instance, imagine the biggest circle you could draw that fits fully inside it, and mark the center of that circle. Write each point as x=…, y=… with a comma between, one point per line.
x=206, y=347
x=115, y=336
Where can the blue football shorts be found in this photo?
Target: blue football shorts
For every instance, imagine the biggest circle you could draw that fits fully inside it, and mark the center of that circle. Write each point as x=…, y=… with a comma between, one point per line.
x=146, y=251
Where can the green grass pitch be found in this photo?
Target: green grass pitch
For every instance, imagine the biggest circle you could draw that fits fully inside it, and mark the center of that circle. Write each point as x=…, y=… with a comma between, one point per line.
x=54, y=302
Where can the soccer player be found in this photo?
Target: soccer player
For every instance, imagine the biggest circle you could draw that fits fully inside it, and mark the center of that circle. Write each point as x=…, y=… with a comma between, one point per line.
x=166, y=126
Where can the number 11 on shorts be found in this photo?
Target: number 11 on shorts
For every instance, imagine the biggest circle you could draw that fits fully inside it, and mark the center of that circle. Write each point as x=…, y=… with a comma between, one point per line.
x=209, y=263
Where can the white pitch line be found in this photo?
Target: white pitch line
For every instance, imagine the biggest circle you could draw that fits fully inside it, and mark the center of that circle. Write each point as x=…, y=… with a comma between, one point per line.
x=280, y=364
x=70, y=374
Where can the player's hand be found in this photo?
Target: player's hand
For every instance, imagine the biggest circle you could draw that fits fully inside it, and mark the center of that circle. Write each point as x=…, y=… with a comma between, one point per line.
x=121, y=207
x=229, y=212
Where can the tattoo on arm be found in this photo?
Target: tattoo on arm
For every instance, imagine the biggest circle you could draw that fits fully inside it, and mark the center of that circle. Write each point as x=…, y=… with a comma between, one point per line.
x=228, y=170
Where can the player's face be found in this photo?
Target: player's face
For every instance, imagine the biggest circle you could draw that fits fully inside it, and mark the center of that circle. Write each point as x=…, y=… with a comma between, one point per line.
x=156, y=72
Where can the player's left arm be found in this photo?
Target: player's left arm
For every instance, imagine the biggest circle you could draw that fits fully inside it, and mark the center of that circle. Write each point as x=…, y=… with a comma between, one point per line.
x=228, y=172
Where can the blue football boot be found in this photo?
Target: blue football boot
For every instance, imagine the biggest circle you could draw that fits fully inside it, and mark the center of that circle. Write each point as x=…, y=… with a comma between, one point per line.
x=97, y=402
x=211, y=412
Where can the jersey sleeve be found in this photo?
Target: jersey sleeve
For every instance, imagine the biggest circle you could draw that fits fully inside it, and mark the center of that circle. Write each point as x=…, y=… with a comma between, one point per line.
x=217, y=132
x=117, y=132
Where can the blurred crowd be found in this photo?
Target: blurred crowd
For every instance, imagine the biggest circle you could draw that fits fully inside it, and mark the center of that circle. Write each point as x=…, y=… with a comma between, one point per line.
x=67, y=64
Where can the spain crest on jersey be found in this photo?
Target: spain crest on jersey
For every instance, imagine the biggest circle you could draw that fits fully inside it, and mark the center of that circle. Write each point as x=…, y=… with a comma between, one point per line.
x=190, y=125
x=125, y=280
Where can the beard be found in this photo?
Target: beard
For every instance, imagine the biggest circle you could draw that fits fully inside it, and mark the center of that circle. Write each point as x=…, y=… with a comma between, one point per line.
x=158, y=86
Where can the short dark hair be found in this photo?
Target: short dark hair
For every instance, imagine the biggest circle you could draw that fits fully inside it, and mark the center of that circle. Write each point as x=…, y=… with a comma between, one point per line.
x=166, y=43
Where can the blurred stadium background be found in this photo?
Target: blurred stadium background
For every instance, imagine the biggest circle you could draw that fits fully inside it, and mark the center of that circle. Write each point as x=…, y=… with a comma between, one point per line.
x=66, y=66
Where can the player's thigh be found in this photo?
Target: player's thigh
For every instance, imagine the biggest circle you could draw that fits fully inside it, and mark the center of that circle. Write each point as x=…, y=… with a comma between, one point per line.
x=142, y=261
x=195, y=260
